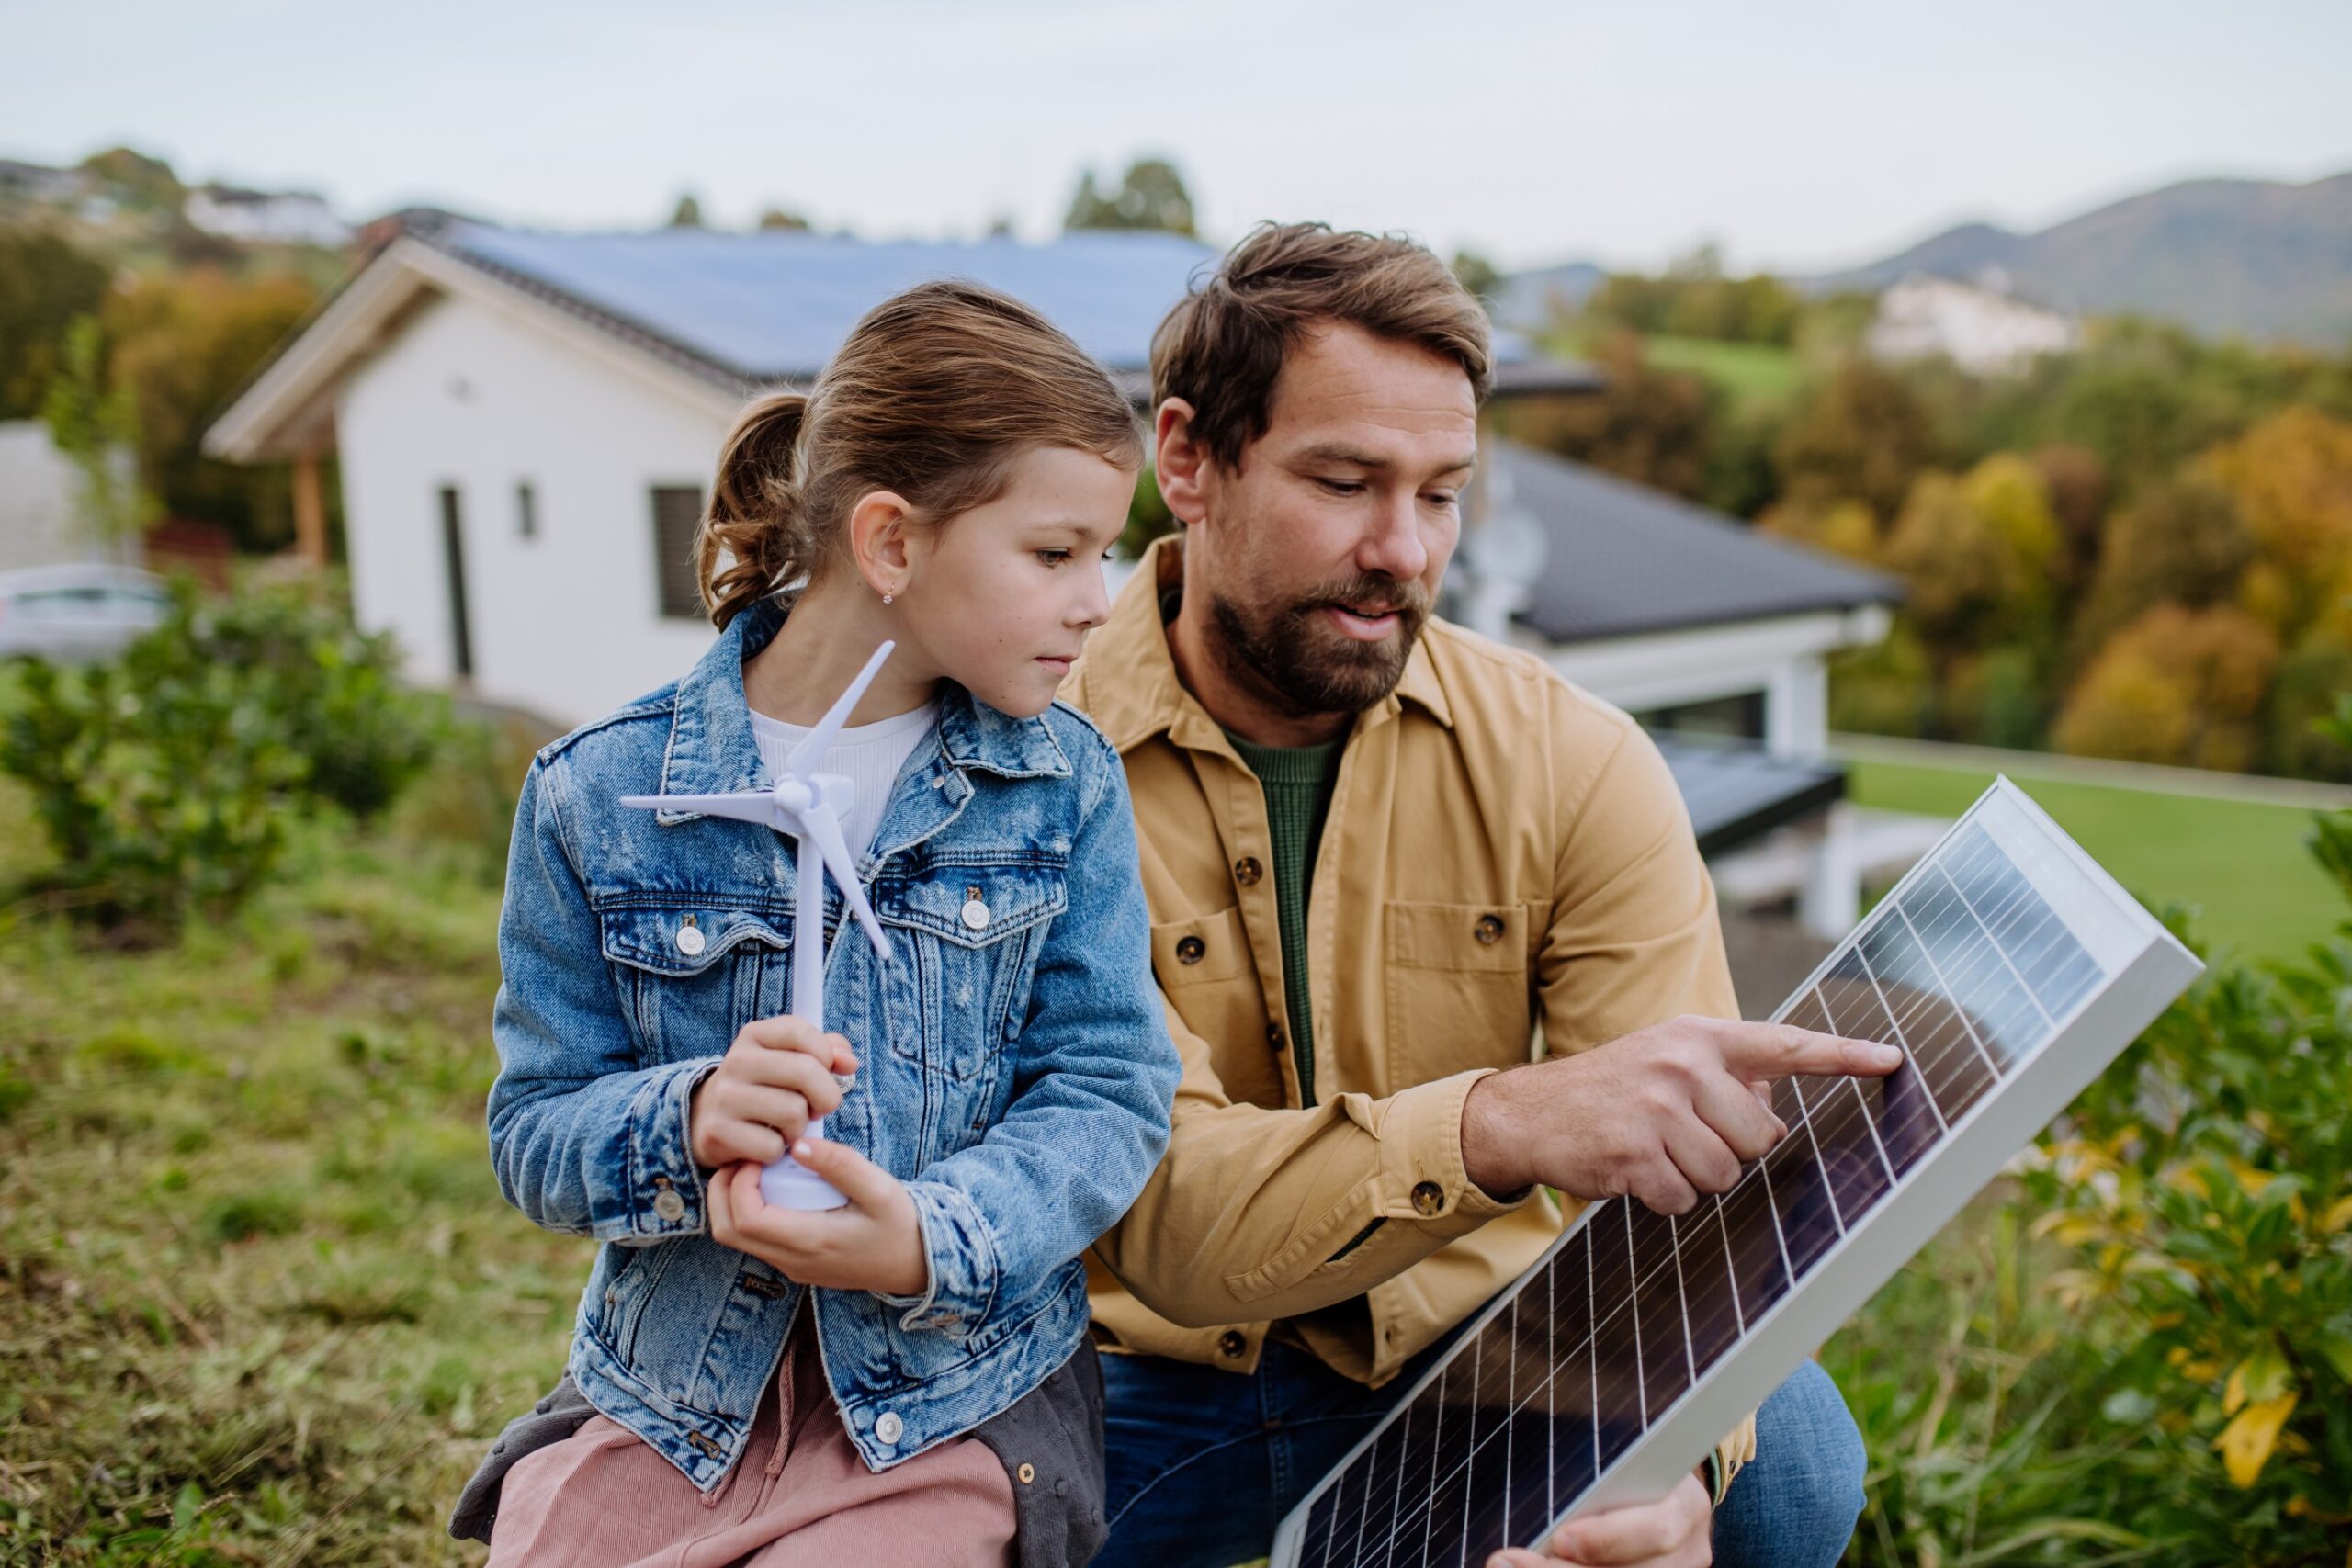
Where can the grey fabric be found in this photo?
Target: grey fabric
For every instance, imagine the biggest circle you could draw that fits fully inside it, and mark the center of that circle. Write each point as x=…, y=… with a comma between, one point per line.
x=1055, y=1430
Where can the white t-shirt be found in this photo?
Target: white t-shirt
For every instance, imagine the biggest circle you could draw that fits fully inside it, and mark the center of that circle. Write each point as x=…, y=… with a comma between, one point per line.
x=869, y=755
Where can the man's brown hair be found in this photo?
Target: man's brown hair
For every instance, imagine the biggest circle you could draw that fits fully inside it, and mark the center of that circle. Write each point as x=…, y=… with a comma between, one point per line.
x=1221, y=348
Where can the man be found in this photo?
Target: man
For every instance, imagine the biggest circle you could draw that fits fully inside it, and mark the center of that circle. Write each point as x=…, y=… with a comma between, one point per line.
x=1380, y=852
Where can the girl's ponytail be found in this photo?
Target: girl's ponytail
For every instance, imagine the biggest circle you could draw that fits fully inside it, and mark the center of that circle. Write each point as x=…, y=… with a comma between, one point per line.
x=755, y=538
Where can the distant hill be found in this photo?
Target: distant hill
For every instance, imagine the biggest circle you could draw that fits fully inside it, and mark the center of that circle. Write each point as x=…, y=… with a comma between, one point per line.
x=2253, y=258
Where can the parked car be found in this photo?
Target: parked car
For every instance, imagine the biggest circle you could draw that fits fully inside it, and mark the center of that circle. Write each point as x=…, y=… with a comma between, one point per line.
x=77, y=613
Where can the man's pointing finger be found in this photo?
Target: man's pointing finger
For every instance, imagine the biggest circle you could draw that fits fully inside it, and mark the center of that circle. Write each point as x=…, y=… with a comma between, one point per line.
x=1782, y=1050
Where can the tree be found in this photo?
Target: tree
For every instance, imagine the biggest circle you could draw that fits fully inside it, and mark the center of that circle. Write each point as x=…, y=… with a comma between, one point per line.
x=1649, y=425
x=96, y=428
x=1150, y=196
x=2177, y=687
x=2291, y=477
x=1861, y=432
x=776, y=218
x=1477, y=275
x=2181, y=542
x=2078, y=489
x=1841, y=527
x=45, y=284
x=182, y=346
x=687, y=213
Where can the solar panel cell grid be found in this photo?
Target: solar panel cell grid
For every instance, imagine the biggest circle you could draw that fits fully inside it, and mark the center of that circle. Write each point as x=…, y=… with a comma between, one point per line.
x=1966, y=966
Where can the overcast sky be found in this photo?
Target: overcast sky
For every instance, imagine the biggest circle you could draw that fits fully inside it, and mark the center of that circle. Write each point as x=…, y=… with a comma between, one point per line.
x=1799, y=135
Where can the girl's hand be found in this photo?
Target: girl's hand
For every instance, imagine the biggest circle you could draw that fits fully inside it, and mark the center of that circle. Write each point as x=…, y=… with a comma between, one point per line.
x=775, y=1078
x=874, y=1244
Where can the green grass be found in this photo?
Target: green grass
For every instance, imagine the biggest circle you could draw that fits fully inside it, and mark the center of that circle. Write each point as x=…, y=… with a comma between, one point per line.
x=2241, y=867
x=260, y=1301
x=1755, y=374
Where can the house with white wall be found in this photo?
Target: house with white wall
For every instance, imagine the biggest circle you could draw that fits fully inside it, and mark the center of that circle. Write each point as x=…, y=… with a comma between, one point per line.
x=525, y=425
x=1979, y=326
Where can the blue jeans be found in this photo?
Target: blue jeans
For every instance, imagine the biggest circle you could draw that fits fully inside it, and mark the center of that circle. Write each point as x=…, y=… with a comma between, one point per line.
x=1203, y=1463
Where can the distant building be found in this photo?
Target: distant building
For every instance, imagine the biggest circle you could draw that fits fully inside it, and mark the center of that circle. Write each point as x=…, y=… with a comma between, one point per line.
x=40, y=492
x=265, y=218
x=1978, y=326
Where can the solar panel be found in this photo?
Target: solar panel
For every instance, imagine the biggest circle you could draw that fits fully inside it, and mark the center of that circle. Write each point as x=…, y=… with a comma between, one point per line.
x=2010, y=969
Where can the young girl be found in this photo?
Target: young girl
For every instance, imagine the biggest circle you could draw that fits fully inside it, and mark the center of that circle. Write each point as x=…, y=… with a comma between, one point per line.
x=786, y=1387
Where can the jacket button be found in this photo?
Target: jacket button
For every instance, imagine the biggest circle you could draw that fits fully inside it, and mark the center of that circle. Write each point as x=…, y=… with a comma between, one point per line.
x=1191, y=950
x=669, y=1205
x=1247, y=871
x=1488, y=930
x=1028, y=1472
x=888, y=1428
x=1274, y=1036
x=690, y=938
x=1231, y=1344
x=1428, y=1198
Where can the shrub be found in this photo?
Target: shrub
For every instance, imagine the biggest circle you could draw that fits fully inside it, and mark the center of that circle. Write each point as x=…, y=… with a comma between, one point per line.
x=165, y=780
x=2205, y=1184
x=2177, y=687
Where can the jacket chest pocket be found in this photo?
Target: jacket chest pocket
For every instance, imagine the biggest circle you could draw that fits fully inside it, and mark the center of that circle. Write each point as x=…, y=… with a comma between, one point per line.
x=691, y=975
x=973, y=933
x=1207, y=972
x=1457, y=988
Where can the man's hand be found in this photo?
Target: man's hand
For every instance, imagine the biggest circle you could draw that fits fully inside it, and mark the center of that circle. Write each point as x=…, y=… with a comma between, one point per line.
x=1676, y=1532
x=874, y=1244
x=1663, y=1113
x=776, y=1076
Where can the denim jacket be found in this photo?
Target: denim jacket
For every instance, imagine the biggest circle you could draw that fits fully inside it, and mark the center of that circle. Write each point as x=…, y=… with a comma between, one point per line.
x=1016, y=1074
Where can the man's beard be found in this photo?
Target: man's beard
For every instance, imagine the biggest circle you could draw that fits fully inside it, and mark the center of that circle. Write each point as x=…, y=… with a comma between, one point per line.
x=1307, y=667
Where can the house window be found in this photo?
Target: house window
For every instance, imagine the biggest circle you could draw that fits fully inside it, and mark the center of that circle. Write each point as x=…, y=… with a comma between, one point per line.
x=1739, y=718
x=526, y=510
x=678, y=514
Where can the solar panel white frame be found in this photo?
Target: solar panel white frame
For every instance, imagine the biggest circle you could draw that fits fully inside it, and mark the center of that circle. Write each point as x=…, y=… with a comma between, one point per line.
x=2145, y=967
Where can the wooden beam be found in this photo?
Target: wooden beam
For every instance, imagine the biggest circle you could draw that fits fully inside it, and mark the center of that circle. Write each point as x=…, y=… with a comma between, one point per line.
x=310, y=513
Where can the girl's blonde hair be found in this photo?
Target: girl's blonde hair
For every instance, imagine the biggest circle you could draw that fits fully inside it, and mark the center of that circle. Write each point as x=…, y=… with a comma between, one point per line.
x=936, y=393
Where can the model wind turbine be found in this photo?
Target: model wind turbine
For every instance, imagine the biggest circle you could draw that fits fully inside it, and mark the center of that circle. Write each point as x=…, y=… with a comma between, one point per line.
x=809, y=806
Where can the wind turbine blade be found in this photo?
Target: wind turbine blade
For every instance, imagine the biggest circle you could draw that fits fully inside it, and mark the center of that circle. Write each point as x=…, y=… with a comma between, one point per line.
x=820, y=824
x=811, y=749
x=750, y=805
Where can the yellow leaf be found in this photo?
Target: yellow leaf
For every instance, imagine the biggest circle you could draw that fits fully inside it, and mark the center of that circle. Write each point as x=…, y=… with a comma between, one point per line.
x=2338, y=1215
x=2246, y=1443
x=2252, y=1180
x=2183, y=1179
x=2234, y=1393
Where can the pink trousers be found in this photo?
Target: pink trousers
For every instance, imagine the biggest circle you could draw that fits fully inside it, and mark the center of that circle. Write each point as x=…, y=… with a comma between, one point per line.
x=800, y=1497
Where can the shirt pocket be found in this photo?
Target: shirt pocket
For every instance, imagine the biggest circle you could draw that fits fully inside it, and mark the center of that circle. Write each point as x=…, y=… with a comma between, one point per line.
x=1457, y=989
x=1210, y=978
x=975, y=931
x=690, y=974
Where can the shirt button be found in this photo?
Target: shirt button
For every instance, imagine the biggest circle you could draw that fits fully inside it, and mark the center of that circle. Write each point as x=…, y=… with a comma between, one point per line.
x=1247, y=871
x=1231, y=1344
x=888, y=1428
x=1191, y=950
x=1028, y=1472
x=1428, y=1198
x=670, y=1206
x=690, y=938
x=1488, y=930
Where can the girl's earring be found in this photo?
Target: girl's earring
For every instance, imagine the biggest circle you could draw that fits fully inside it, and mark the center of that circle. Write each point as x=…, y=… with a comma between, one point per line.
x=888, y=597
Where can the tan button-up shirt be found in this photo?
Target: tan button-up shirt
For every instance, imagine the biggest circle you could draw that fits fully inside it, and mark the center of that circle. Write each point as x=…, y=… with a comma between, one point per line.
x=1506, y=860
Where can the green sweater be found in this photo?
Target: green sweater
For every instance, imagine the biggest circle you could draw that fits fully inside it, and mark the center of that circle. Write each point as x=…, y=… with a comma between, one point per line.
x=1297, y=780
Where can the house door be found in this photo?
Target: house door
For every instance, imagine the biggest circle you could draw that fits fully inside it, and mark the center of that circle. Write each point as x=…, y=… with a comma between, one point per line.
x=453, y=552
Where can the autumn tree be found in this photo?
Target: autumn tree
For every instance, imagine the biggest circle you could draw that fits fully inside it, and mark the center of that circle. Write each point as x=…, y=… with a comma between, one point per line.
x=2182, y=541
x=1646, y=424
x=2178, y=686
x=2292, y=479
x=1149, y=196
x=1861, y=433
x=181, y=346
